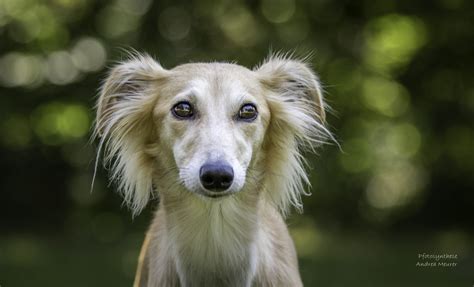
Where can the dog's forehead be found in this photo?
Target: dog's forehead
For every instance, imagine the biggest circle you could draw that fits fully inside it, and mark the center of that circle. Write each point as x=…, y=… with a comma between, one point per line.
x=211, y=68
x=220, y=76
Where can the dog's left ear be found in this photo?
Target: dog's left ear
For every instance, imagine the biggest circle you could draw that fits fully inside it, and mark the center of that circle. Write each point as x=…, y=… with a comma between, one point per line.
x=293, y=81
x=295, y=100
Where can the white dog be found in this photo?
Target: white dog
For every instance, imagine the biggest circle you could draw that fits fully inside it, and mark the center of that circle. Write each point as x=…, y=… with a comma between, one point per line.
x=221, y=146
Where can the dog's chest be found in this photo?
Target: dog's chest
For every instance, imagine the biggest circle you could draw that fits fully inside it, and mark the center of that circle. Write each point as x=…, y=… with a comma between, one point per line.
x=215, y=248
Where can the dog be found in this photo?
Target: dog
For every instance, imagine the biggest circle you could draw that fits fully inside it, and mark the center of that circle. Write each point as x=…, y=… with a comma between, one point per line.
x=221, y=146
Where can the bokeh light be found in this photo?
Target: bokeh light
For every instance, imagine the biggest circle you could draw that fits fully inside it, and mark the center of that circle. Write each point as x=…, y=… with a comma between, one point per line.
x=18, y=69
x=394, y=185
x=238, y=24
x=89, y=54
x=57, y=123
x=114, y=22
x=392, y=41
x=384, y=96
x=174, y=23
x=60, y=68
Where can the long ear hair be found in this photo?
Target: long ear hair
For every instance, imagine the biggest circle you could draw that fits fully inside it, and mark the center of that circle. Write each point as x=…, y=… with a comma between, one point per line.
x=297, y=122
x=124, y=126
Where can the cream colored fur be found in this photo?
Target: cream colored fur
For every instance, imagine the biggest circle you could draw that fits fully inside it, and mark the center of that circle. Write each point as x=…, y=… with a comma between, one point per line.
x=236, y=240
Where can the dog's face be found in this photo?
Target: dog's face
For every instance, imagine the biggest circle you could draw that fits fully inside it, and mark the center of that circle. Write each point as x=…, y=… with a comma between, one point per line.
x=212, y=118
x=210, y=129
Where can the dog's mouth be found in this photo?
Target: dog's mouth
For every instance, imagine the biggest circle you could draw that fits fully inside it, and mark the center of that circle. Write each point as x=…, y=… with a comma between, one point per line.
x=215, y=195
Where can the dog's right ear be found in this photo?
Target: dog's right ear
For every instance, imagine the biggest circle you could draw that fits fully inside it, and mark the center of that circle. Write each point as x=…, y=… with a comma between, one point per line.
x=124, y=125
x=127, y=86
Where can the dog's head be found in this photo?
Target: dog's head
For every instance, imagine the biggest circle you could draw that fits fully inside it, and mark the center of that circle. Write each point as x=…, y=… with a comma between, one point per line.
x=210, y=130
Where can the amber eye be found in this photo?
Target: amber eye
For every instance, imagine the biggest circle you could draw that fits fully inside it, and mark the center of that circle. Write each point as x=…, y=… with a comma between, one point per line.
x=248, y=112
x=183, y=110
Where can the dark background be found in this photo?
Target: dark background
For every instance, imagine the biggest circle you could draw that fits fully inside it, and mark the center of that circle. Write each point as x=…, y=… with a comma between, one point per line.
x=398, y=75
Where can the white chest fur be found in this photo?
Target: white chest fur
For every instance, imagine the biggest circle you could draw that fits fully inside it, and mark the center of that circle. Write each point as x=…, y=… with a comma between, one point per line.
x=214, y=243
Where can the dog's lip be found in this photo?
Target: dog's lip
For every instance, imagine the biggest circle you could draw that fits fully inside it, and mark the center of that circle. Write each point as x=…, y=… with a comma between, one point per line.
x=212, y=194
x=216, y=195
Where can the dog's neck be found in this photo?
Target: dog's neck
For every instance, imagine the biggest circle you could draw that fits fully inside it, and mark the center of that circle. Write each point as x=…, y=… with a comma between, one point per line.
x=213, y=241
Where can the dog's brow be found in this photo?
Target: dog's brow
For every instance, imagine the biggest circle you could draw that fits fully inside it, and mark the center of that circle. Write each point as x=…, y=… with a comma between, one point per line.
x=245, y=98
x=192, y=91
x=241, y=98
x=190, y=94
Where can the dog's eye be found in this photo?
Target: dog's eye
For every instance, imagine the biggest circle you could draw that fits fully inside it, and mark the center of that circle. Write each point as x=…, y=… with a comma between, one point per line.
x=248, y=112
x=183, y=110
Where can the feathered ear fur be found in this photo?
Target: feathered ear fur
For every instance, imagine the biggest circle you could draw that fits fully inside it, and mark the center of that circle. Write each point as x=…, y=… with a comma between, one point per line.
x=297, y=121
x=124, y=125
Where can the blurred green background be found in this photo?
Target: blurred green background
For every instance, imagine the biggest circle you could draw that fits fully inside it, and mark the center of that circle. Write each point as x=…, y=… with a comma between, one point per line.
x=398, y=74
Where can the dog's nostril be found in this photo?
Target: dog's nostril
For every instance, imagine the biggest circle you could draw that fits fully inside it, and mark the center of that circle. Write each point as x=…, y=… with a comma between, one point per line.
x=207, y=179
x=216, y=176
x=226, y=179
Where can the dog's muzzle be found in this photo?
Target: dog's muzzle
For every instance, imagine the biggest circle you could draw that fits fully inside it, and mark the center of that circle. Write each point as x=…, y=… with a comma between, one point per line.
x=216, y=176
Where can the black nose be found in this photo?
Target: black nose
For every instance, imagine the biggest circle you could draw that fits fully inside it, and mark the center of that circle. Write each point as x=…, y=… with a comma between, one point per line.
x=217, y=176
